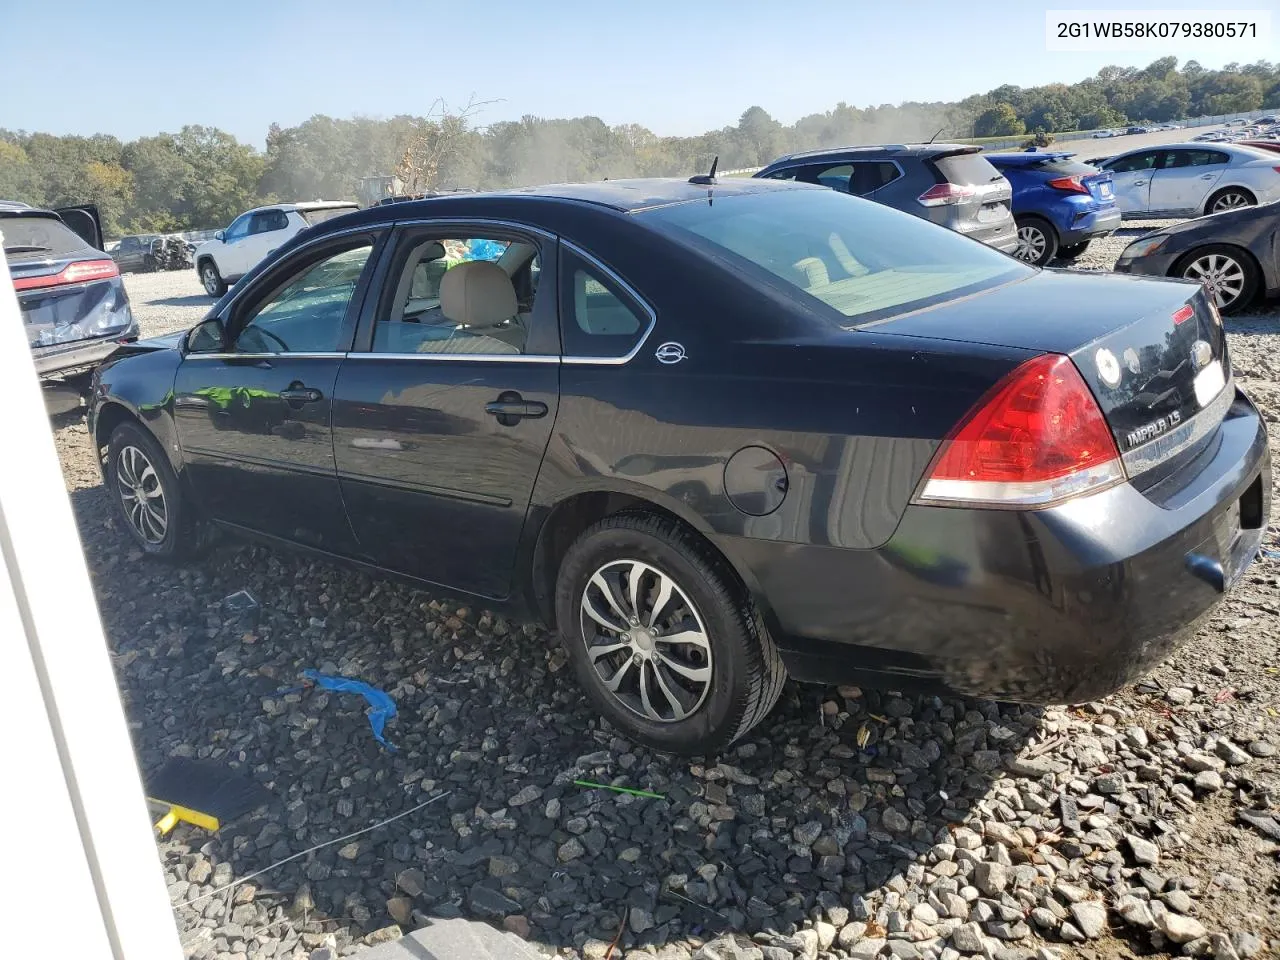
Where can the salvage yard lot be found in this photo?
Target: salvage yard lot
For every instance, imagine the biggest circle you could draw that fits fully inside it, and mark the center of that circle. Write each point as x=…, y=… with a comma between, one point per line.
x=849, y=814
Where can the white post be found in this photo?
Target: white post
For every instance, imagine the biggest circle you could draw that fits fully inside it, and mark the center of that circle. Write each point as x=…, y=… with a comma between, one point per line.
x=81, y=876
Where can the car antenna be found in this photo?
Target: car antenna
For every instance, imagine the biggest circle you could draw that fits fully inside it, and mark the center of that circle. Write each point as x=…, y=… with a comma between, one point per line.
x=707, y=178
x=935, y=136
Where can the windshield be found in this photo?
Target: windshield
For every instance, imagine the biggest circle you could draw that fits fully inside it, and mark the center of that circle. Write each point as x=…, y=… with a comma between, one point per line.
x=862, y=259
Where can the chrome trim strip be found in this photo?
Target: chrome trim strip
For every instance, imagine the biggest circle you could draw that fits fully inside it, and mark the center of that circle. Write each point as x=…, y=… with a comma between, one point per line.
x=303, y=355
x=1159, y=449
x=631, y=291
x=487, y=357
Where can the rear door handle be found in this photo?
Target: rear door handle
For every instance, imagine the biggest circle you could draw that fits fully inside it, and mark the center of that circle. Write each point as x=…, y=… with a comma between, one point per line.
x=516, y=408
x=297, y=393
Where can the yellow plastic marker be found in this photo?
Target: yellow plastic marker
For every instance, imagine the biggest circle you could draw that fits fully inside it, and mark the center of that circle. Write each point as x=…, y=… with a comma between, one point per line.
x=177, y=814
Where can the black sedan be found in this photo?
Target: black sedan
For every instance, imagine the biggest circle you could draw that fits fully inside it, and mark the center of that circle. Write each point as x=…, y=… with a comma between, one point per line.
x=1234, y=254
x=716, y=433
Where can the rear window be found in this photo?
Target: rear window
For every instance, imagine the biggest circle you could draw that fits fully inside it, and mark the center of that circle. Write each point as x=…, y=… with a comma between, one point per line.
x=861, y=259
x=1067, y=167
x=37, y=238
x=326, y=213
x=967, y=169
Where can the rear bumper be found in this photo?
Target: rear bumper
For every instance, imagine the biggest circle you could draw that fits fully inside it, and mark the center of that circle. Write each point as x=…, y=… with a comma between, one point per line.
x=1090, y=224
x=1057, y=606
x=1002, y=236
x=78, y=355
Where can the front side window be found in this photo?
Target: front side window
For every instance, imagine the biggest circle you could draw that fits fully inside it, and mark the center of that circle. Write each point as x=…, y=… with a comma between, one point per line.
x=306, y=315
x=451, y=295
x=600, y=319
x=1135, y=161
x=863, y=260
x=239, y=228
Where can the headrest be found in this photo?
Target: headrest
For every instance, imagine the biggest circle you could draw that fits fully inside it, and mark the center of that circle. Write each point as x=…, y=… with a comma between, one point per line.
x=478, y=294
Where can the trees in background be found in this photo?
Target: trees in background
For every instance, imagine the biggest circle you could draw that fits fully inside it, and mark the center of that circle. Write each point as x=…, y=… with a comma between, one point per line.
x=202, y=177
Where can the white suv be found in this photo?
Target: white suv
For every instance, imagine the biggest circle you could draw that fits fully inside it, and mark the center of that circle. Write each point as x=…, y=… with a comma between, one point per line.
x=254, y=235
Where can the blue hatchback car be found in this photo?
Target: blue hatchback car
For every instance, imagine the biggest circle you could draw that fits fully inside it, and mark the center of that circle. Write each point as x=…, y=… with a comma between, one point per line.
x=1059, y=203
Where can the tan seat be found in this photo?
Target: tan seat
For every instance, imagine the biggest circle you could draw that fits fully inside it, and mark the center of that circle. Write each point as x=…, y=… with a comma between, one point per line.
x=480, y=298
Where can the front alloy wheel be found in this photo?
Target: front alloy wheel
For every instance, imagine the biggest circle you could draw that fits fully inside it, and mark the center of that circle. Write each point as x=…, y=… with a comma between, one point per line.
x=142, y=495
x=646, y=641
x=1226, y=278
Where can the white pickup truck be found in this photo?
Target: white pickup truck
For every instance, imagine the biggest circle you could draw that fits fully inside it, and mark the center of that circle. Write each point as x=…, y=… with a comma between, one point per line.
x=255, y=234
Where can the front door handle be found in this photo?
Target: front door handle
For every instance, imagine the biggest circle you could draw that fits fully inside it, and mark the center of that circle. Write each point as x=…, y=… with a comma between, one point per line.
x=1208, y=176
x=297, y=393
x=1139, y=183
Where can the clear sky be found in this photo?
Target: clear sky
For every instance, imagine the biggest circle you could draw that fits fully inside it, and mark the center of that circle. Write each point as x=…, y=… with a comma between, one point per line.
x=131, y=68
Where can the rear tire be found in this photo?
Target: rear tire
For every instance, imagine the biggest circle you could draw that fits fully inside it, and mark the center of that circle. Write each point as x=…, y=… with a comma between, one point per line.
x=148, y=498
x=1074, y=251
x=692, y=697
x=1037, y=241
x=211, y=279
x=1230, y=198
x=1228, y=274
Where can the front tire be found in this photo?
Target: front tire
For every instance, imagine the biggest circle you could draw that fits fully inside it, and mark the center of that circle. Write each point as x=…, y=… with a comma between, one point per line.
x=211, y=279
x=147, y=496
x=663, y=636
x=1037, y=241
x=1227, y=273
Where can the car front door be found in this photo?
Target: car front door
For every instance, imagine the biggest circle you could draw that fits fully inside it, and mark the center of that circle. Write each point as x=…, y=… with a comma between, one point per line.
x=1184, y=178
x=253, y=406
x=1131, y=180
x=231, y=258
x=443, y=411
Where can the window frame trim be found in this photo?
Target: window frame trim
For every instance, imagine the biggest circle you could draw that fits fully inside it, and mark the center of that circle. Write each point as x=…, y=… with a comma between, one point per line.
x=630, y=291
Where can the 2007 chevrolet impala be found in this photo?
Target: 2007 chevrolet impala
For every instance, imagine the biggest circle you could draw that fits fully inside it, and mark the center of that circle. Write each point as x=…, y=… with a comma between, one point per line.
x=716, y=432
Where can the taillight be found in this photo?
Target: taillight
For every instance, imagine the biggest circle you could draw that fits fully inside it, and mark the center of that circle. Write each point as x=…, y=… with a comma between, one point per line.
x=82, y=272
x=1068, y=184
x=1037, y=438
x=941, y=194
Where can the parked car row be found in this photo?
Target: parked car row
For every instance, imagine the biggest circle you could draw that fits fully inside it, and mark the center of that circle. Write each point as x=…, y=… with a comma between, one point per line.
x=145, y=253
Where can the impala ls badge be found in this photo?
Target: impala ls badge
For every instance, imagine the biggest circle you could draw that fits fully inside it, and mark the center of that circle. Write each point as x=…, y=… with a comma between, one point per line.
x=1201, y=354
x=670, y=352
x=1108, y=367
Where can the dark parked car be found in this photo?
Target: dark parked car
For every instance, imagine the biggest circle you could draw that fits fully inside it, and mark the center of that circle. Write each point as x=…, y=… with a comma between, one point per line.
x=1232, y=253
x=1059, y=203
x=950, y=184
x=134, y=254
x=73, y=303
x=716, y=433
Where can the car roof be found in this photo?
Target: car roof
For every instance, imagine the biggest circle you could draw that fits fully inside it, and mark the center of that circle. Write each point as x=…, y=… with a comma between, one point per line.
x=16, y=208
x=888, y=149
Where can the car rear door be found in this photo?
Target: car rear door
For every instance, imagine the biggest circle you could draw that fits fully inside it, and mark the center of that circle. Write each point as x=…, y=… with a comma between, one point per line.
x=1184, y=177
x=440, y=425
x=253, y=412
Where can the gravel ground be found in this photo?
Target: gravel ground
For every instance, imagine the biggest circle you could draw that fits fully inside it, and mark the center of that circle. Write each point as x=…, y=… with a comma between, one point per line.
x=850, y=824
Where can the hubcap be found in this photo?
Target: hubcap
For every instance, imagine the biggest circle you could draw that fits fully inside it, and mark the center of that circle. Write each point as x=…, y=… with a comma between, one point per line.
x=646, y=641
x=1229, y=201
x=142, y=495
x=210, y=281
x=1031, y=244
x=1223, y=277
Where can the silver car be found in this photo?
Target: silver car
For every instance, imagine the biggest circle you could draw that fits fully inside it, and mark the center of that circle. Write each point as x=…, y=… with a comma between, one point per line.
x=1190, y=179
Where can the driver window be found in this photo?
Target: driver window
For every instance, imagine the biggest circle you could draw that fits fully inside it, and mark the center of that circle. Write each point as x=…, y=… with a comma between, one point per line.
x=306, y=315
x=238, y=229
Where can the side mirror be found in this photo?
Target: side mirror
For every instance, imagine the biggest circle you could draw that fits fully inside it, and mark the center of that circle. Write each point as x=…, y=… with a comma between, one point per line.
x=220, y=235
x=207, y=336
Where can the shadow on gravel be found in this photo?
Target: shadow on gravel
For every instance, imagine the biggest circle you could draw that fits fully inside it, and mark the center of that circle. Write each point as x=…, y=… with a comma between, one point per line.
x=837, y=794
x=195, y=300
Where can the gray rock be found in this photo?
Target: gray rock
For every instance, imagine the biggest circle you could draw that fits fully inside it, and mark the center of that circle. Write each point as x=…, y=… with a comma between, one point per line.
x=1247, y=945
x=503, y=866
x=1232, y=754
x=826, y=934
x=1180, y=695
x=867, y=949
x=1134, y=912
x=806, y=833
x=1045, y=918
x=1262, y=748
x=1208, y=781
x=1109, y=783
x=904, y=950
x=1091, y=917
x=577, y=825
x=1179, y=901
x=1196, y=762
x=1070, y=933
x=894, y=821
x=571, y=849
x=967, y=938
x=527, y=795
x=1178, y=928
x=491, y=904
x=729, y=948
x=640, y=920
x=1009, y=931
x=1145, y=852
x=850, y=934
x=808, y=944
x=991, y=878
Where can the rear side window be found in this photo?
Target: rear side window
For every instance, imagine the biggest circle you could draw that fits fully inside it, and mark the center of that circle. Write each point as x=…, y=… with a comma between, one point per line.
x=862, y=260
x=268, y=221
x=1194, y=158
x=967, y=169
x=601, y=319
x=320, y=216
x=871, y=175
x=35, y=238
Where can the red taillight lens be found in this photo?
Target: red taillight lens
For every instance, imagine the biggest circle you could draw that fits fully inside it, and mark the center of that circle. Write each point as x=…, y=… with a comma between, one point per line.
x=1037, y=438
x=941, y=194
x=1068, y=184
x=82, y=272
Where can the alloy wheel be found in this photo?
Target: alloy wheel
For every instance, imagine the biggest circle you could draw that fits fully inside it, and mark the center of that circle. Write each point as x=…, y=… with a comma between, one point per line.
x=1223, y=278
x=210, y=278
x=1231, y=200
x=1031, y=244
x=646, y=641
x=142, y=495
